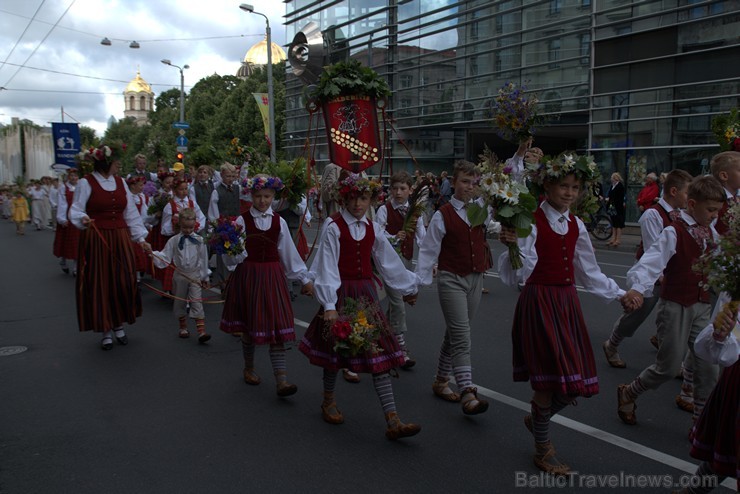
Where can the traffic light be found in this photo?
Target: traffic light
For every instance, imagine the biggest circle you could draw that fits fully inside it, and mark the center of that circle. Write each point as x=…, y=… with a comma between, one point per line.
x=180, y=157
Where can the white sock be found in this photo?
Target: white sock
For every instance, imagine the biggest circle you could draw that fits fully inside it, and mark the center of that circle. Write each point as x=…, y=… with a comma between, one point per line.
x=120, y=333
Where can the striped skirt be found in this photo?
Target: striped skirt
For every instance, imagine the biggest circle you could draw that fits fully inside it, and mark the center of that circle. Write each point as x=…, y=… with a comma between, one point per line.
x=107, y=294
x=717, y=432
x=66, y=239
x=258, y=303
x=551, y=346
x=318, y=344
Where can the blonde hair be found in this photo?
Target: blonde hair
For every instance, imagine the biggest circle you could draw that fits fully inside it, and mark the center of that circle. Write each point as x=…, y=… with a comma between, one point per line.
x=724, y=162
x=228, y=167
x=187, y=214
x=617, y=176
x=207, y=168
x=706, y=188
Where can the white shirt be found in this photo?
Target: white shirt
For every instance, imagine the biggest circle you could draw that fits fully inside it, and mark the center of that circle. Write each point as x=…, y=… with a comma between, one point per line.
x=381, y=218
x=37, y=194
x=516, y=163
x=651, y=224
x=587, y=270
x=431, y=244
x=325, y=266
x=54, y=194
x=290, y=259
x=62, y=205
x=724, y=353
x=300, y=209
x=130, y=214
x=213, y=213
x=192, y=258
x=643, y=275
x=167, y=226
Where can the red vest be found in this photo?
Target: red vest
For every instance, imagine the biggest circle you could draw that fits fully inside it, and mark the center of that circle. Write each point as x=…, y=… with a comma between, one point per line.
x=106, y=208
x=175, y=210
x=261, y=246
x=354, y=255
x=666, y=221
x=554, y=252
x=680, y=283
x=394, y=225
x=721, y=226
x=464, y=249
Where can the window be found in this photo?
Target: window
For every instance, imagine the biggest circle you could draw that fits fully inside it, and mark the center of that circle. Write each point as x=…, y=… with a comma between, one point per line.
x=553, y=53
x=474, y=30
x=585, y=4
x=555, y=6
x=621, y=111
x=473, y=66
x=497, y=66
x=584, y=47
x=405, y=105
x=424, y=110
x=406, y=81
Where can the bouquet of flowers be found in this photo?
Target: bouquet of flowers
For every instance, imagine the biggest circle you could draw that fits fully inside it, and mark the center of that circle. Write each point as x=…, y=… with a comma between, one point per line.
x=515, y=114
x=511, y=201
x=726, y=129
x=417, y=206
x=357, y=329
x=157, y=204
x=150, y=189
x=721, y=264
x=237, y=153
x=226, y=236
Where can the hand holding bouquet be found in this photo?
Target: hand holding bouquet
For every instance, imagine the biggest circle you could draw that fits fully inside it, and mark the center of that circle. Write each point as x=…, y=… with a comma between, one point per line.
x=226, y=236
x=356, y=330
x=516, y=114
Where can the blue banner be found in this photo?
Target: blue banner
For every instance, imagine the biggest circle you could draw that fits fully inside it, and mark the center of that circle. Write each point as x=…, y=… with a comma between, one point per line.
x=66, y=143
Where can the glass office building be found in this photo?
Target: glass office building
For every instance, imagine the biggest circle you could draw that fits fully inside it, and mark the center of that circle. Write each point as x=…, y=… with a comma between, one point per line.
x=629, y=81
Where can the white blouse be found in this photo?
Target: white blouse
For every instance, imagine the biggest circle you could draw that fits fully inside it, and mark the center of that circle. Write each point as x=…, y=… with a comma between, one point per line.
x=587, y=270
x=325, y=267
x=62, y=205
x=167, y=226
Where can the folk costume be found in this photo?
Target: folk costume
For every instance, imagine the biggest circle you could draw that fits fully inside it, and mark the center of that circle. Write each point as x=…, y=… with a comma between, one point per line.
x=67, y=236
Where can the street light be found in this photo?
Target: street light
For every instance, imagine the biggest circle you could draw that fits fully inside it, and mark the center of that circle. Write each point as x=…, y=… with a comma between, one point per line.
x=270, y=101
x=182, y=86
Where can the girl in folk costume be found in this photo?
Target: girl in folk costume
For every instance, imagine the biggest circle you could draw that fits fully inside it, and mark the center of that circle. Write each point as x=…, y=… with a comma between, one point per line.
x=19, y=212
x=343, y=271
x=67, y=236
x=135, y=184
x=155, y=238
x=170, y=219
x=38, y=207
x=257, y=299
x=550, y=340
x=107, y=293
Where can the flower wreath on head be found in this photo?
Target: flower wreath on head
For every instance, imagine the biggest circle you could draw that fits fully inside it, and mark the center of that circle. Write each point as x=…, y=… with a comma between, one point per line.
x=584, y=167
x=99, y=154
x=162, y=175
x=262, y=182
x=356, y=185
x=135, y=178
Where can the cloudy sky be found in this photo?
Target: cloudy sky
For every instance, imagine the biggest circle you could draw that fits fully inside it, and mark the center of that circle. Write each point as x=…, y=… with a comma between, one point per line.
x=51, y=56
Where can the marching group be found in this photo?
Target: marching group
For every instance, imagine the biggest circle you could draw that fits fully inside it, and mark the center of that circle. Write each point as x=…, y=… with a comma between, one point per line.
x=108, y=239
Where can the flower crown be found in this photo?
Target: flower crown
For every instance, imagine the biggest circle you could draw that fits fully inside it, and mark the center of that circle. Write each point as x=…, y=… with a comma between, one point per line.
x=355, y=185
x=105, y=152
x=162, y=175
x=564, y=164
x=135, y=178
x=262, y=182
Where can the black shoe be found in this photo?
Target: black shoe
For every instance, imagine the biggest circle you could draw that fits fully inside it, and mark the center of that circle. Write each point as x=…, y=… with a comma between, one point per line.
x=65, y=270
x=123, y=340
x=106, y=343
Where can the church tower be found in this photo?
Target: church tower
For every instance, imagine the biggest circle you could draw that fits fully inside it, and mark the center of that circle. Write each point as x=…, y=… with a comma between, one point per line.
x=139, y=99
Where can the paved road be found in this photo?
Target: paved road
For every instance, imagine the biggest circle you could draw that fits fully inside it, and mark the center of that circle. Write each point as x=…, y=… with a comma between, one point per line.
x=167, y=415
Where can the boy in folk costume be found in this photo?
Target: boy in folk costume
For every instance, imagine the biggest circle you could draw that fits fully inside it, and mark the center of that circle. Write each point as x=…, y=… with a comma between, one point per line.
x=725, y=167
x=684, y=307
x=463, y=255
x=257, y=302
x=391, y=216
x=224, y=202
x=343, y=271
x=202, y=188
x=67, y=236
x=188, y=253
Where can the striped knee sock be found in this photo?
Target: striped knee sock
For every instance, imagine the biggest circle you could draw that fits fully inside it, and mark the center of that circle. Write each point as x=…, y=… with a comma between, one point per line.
x=464, y=376
x=277, y=358
x=698, y=407
x=615, y=339
x=330, y=381
x=558, y=403
x=687, y=386
x=635, y=389
x=401, y=341
x=200, y=325
x=444, y=366
x=248, y=352
x=541, y=423
x=709, y=479
x=384, y=390
x=183, y=322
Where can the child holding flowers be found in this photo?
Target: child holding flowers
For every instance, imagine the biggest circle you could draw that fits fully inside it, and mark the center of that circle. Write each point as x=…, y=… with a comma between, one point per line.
x=550, y=341
x=257, y=299
x=343, y=271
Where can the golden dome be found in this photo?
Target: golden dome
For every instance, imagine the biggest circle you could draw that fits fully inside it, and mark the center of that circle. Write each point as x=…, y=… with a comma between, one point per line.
x=138, y=85
x=257, y=55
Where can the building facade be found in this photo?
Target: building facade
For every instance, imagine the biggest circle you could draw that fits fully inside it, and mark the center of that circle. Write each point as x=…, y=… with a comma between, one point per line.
x=636, y=83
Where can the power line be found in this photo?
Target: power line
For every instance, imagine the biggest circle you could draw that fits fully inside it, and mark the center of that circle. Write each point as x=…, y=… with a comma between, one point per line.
x=56, y=91
x=40, y=43
x=23, y=33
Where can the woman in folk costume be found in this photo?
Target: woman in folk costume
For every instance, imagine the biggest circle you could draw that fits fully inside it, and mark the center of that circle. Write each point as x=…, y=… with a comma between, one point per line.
x=107, y=293
x=343, y=271
x=257, y=298
x=67, y=236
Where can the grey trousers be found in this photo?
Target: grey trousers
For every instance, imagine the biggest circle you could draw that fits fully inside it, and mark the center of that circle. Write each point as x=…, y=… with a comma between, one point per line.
x=459, y=297
x=396, y=306
x=678, y=327
x=628, y=322
x=184, y=288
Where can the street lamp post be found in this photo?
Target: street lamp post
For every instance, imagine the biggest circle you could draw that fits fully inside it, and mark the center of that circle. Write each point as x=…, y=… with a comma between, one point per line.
x=182, y=86
x=270, y=101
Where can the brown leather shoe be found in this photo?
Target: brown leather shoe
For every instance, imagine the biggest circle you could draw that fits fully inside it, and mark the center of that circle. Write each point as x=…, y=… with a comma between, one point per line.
x=612, y=356
x=626, y=408
x=545, y=460
x=471, y=404
x=442, y=390
x=684, y=405
x=330, y=413
x=251, y=377
x=655, y=342
x=350, y=377
x=397, y=429
x=284, y=388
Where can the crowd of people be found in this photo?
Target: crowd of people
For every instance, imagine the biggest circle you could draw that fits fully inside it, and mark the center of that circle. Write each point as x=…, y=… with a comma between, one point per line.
x=109, y=234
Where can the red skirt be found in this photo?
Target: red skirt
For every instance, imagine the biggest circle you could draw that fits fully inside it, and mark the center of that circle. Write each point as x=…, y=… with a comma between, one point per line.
x=142, y=260
x=258, y=303
x=107, y=293
x=551, y=346
x=318, y=345
x=717, y=432
x=66, y=241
